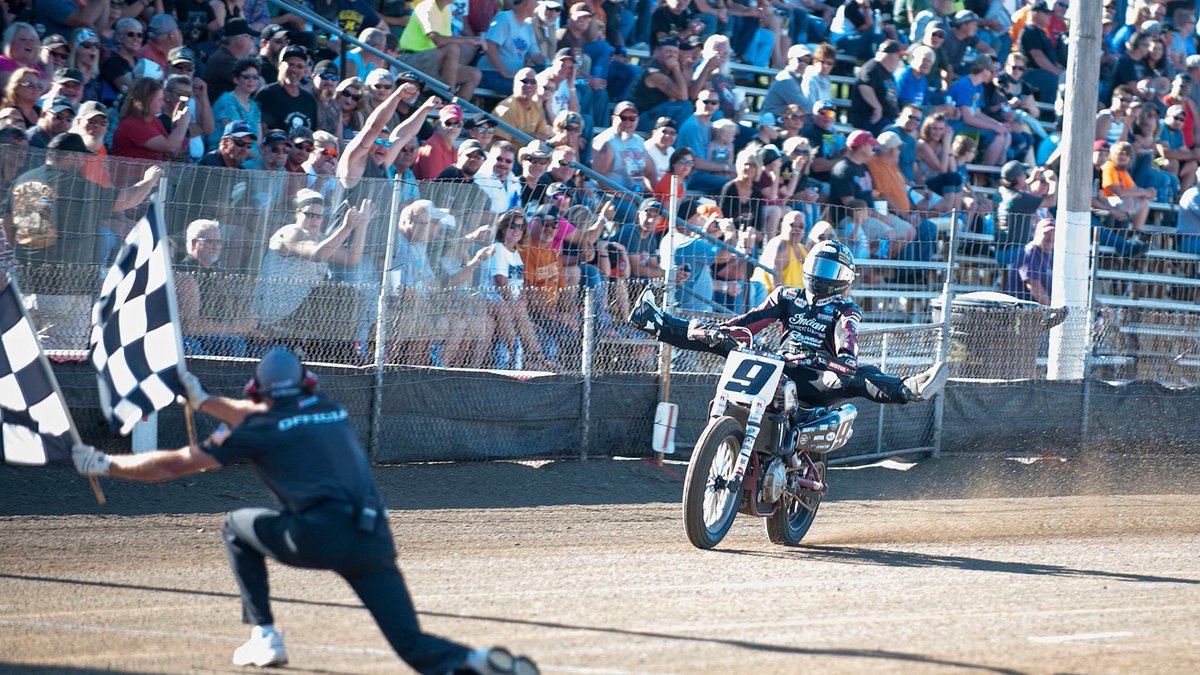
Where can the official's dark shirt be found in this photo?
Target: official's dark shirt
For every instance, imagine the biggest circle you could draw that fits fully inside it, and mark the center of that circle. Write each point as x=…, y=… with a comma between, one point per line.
x=305, y=451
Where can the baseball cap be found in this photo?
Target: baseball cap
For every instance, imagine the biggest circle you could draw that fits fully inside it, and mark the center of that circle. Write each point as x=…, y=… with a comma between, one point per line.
x=67, y=75
x=469, y=147
x=450, y=112
x=306, y=196
x=1012, y=170
x=535, y=150
x=410, y=76
x=181, y=55
x=236, y=27
x=54, y=41
x=378, y=75
x=623, y=106
x=1039, y=6
x=1176, y=110
x=300, y=135
x=665, y=123
x=769, y=153
x=61, y=103
x=1192, y=61
x=89, y=109
x=238, y=129
x=823, y=105
x=325, y=68
x=890, y=47
x=889, y=140
x=551, y=4
x=567, y=53
x=479, y=122
x=650, y=203
x=275, y=136
x=768, y=120
x=798, y=51
x=668, y=42
x=1151, y=27
x=556, y=188
x=965, y=16
x=86, y=35
x=858, y=138
x=271, y=31
x=69, y=142
x=1100, y=146
x=572, y=118
x=689, y=43
x=290, y=51
x=580, y=9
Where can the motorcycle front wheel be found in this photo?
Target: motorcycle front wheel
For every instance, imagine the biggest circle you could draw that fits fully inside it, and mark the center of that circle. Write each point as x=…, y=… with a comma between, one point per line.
x=791, y=521
x=709, y=500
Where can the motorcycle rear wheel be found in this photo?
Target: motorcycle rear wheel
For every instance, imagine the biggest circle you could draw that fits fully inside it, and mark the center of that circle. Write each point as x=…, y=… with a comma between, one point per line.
x=709, y=505
x=789, y=524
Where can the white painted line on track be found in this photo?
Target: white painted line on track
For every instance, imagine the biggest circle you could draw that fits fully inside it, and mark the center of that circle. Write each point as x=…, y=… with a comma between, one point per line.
x=1078, y=637
x=191, y=635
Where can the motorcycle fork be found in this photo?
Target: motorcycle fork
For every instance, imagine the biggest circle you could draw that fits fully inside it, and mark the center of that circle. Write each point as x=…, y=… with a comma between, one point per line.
x=753, y=426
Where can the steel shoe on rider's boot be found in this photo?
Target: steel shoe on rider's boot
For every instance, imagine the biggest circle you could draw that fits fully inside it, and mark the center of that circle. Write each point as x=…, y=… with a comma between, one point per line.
x=646, y=316
x=498, y=661
x=924, y=385
x=262, y=649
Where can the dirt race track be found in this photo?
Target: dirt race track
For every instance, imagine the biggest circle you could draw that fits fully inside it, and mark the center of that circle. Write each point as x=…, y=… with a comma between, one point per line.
x=955, y=565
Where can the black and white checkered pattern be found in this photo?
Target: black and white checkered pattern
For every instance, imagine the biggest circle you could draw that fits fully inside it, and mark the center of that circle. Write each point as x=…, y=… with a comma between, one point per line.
x=135, y=343
x=35, y=426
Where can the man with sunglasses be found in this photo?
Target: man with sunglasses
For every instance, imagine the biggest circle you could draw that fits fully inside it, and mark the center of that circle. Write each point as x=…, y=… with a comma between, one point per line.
x=786, y=88
x=521, y=110
x=285, y=104
x=438, y=152
x=55, y=119
x=200, y=117
x=696, y=135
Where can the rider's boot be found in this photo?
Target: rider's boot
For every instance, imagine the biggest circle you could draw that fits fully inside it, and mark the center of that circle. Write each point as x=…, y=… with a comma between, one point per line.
x=646, y=315
x=924, y=385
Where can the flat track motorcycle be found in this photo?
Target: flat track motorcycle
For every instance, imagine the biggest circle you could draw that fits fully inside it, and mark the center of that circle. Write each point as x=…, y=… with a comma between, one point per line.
x=762, y=453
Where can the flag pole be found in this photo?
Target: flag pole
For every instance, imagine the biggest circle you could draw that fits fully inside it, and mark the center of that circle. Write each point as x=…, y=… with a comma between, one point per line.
x=172, y=305
x=72, y=431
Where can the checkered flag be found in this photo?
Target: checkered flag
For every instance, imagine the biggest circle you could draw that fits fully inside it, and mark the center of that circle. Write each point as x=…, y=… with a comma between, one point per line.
x=35, y=425
x=136, y=347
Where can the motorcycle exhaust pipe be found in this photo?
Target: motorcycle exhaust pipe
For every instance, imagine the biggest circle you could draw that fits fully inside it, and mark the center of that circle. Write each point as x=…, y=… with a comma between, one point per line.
x=808, y=487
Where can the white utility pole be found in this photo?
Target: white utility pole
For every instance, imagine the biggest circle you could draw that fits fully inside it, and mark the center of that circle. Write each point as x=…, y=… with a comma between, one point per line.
x=1072, y=271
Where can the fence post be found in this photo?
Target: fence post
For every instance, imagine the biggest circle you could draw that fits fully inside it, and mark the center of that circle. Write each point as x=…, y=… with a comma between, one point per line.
x=589, y=348
x=1091, y=345
x=939, y=403
x=883, y=358
x=381, y=321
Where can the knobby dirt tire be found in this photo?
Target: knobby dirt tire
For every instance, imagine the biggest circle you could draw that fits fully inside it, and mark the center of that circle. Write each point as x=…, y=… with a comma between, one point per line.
x=790, y=523
x=707, y=513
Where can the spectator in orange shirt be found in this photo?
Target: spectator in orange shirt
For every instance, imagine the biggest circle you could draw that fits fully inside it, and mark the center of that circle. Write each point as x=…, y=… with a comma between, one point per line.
x=891, y=185
x=1118, y=188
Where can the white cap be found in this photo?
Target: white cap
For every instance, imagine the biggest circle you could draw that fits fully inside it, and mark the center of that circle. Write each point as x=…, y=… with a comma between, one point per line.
x=889, y=139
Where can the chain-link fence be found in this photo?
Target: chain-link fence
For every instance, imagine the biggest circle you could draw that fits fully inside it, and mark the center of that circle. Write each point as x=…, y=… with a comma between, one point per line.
x=456, y=328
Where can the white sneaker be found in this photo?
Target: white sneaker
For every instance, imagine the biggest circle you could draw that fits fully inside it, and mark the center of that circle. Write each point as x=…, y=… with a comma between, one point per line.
x=261, y=650
x=926, y=384
x=646, y=316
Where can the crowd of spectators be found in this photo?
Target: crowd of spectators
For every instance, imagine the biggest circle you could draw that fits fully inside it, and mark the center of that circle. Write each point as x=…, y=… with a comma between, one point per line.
x=882, y=123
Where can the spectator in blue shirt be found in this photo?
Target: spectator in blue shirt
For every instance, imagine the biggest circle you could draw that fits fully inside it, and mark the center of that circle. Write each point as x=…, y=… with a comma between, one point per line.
x=967, y=95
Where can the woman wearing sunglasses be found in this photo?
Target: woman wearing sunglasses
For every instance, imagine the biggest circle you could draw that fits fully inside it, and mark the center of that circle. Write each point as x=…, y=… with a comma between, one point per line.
x=237, y=105
x=24, y=88
x=353, y=106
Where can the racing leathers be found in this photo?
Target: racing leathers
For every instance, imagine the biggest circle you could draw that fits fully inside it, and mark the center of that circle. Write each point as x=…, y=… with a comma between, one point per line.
x=820, y=346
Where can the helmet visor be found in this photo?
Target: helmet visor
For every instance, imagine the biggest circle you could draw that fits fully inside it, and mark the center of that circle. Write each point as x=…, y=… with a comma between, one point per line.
x=830, y=270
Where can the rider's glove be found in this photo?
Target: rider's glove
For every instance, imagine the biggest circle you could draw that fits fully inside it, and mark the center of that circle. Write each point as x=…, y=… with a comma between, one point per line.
x=703, y=330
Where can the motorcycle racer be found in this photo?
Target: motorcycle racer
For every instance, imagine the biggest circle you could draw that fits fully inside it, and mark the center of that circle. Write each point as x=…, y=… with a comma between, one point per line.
x=820, y=340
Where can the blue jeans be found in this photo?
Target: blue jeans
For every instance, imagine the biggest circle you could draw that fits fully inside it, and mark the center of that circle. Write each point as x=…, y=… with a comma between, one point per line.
x=922, y=248
x=1044, y=81
x=1188, y=243
x=490, y=79
x=676, y=110
x=706, y=183
x=758, y=51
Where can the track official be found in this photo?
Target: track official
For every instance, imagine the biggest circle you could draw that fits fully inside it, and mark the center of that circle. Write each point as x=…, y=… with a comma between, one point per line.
x=331, y=515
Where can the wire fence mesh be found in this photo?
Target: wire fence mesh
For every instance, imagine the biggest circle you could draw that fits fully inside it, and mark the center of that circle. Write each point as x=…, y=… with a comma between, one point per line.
x=486, y=318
